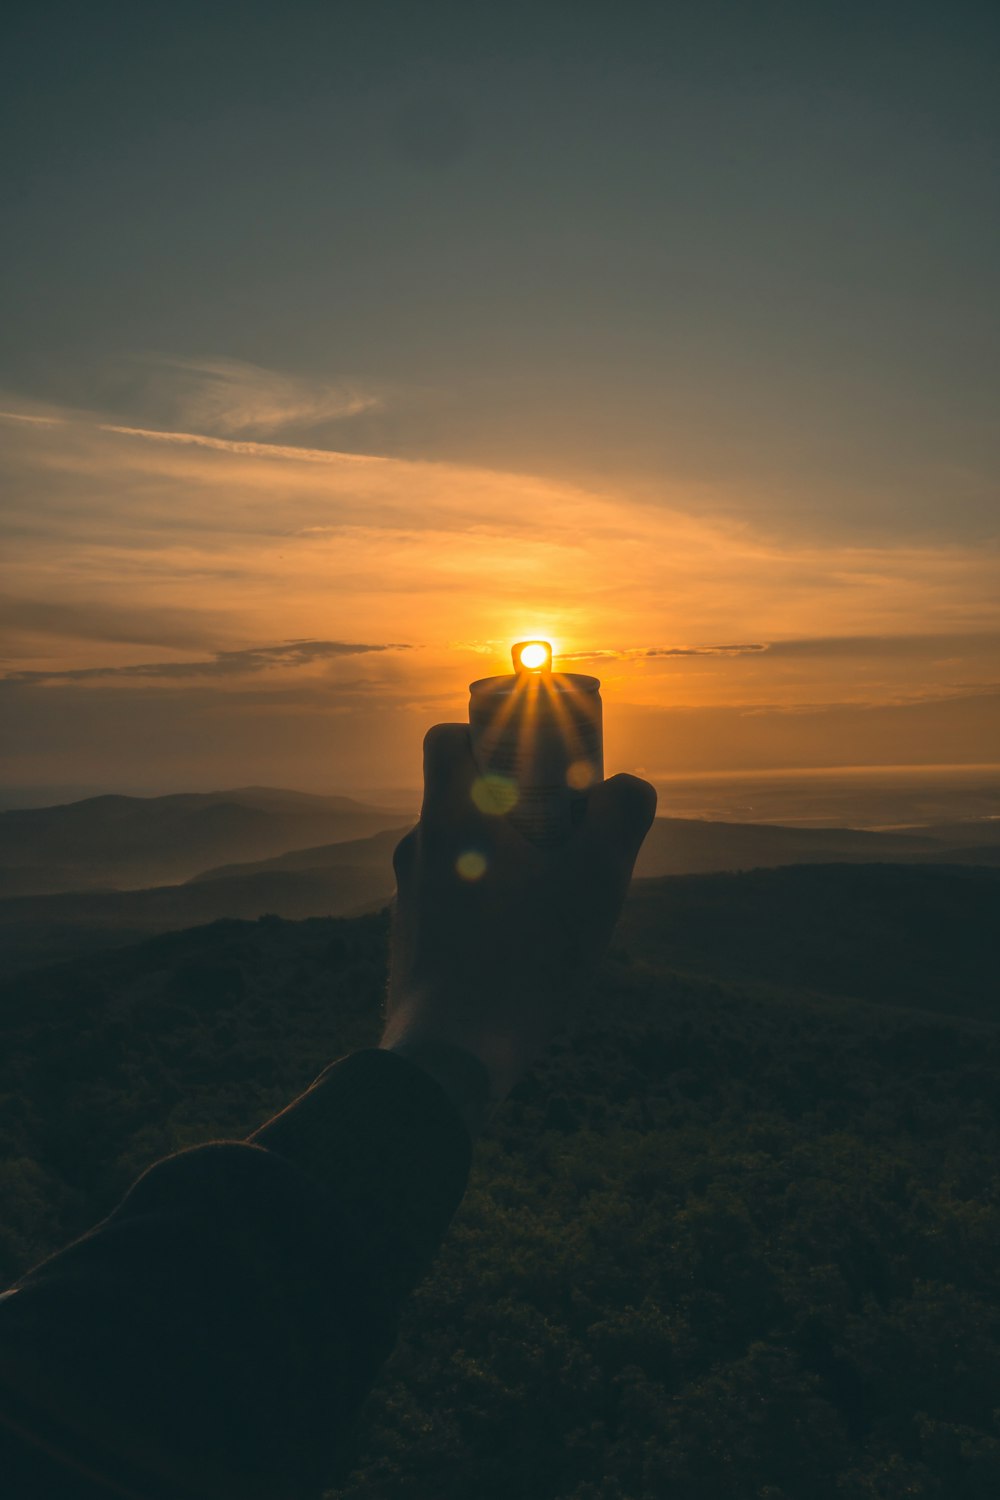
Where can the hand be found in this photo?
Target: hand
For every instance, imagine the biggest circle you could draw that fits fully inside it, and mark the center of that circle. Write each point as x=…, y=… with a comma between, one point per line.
x=493, y=964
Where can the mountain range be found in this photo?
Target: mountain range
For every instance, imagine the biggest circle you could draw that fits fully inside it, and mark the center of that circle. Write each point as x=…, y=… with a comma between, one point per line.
x=109, y=871
x=130, y=842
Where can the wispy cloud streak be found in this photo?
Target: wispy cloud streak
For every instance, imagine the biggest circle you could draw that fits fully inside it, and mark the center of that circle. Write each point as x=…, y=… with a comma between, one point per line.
x=637, y=653
x=246, y=447
x=220, y=664
x=831, y=646
x=231, y=396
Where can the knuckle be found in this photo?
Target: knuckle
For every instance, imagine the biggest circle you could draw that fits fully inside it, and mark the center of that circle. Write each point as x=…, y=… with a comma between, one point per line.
x=404, y=853
x=444, y=737
x=637, y=798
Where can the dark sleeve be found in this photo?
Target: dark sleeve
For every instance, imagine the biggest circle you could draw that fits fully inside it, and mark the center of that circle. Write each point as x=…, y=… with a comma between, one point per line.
x=217, y=1334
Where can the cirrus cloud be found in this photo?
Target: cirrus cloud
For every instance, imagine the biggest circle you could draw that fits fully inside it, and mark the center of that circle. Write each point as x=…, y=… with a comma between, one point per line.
x=219, y=664
x=233, y=398
x=164, y=549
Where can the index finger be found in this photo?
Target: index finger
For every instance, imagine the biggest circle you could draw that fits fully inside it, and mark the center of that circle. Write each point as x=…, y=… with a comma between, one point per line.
x=449, y=774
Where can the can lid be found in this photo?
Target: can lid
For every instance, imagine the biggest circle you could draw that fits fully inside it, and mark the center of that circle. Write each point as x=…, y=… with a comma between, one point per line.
x=559, y=682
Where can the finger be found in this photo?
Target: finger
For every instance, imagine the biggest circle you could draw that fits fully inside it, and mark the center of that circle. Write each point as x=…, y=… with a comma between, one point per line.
x=403, y=856
x=622, y=810
x=449, y=773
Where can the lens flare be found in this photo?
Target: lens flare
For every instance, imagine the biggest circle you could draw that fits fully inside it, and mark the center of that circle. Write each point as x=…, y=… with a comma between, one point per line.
x=494, y=795
x=580, y=775
x=471, y=865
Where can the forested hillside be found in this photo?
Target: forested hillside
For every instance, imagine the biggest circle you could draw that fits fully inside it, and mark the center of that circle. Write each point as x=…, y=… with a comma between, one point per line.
x=898, y=935
x=727, y=1242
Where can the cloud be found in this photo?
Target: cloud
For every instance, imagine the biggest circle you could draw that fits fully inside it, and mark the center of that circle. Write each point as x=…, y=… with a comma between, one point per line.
x=636, y=653
x=955, y=644
x=97, y=620
x=960, y=693
x=920, y=644
x=220, y=664
x=245, y=448
x=674, y=605
x=747, y=649
x=231, y=397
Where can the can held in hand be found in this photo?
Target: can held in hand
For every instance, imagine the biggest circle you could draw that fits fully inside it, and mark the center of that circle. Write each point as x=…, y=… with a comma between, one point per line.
x=538, y=740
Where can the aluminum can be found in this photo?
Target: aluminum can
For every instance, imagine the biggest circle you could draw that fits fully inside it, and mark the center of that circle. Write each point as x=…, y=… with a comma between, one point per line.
x=538, y=740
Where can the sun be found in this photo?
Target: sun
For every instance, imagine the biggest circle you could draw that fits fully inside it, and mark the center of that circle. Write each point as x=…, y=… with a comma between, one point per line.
x=531, y=656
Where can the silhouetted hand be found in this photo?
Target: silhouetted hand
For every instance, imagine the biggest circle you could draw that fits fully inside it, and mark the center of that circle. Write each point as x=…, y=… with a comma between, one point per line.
x=493, y=938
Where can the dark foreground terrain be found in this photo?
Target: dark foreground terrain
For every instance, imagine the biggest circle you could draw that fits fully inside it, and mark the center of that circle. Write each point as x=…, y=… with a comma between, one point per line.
x=738, y=1239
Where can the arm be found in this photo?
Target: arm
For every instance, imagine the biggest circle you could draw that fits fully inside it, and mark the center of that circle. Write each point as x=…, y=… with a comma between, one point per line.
x=217, y=1334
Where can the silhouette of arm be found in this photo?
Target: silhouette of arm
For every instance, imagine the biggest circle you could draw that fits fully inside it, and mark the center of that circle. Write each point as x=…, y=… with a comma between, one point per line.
x=217, y=1334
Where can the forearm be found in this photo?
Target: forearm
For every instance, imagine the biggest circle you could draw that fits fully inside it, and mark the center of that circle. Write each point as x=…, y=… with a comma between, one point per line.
x=219, y=1331
x=463, y=1076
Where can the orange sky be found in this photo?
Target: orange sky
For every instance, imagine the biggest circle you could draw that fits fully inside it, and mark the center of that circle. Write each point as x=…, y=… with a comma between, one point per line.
x=290, y=613
x=668, y=332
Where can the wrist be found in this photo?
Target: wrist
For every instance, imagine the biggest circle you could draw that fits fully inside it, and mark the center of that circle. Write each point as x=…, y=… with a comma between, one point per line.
x=461, y=1073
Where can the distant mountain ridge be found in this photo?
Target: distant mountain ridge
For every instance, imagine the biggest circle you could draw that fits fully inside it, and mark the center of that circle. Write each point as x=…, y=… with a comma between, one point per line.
x=356, y=875
x=121, y=842
x=353, y=872
x=376, y=851
x=691, y=846
x=970, y=832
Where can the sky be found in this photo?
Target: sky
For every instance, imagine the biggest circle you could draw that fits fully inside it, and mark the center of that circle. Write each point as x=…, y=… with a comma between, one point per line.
x=346, y=344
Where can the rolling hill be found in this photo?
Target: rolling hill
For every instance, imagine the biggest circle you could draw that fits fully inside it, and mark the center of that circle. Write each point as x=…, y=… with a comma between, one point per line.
x=129, y=842
x=118, y=842
x=374, y=853
x=729, y=1239
x=969, y=833
x=924, y=936
x=352, y=876
x=355, y=874
x=691, y=846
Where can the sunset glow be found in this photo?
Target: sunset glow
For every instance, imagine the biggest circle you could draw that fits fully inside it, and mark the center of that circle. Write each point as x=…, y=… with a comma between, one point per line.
x=267, y=514
x=334, y=604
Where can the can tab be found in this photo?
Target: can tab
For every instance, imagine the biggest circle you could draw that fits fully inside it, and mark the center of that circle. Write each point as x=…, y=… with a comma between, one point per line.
x=532, y=656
